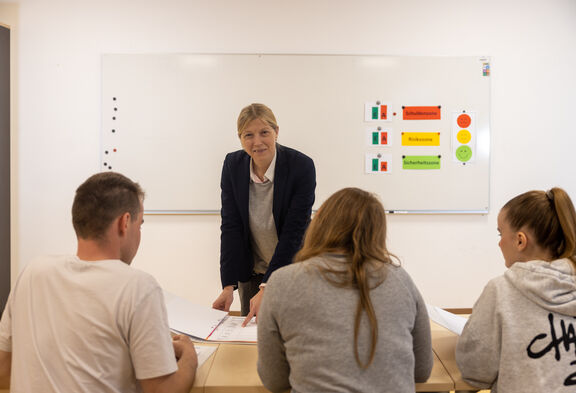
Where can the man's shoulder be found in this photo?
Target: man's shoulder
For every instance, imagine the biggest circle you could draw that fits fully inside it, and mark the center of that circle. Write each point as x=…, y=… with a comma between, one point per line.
x=132, y=284
x=71, y=266
x=139, y=277
x=48, y=262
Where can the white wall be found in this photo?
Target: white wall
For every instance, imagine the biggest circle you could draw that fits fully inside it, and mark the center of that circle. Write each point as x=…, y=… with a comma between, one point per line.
x=533, y=48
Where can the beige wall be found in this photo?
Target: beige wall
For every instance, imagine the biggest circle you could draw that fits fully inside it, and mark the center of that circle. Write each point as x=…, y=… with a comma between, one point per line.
x=450, y=257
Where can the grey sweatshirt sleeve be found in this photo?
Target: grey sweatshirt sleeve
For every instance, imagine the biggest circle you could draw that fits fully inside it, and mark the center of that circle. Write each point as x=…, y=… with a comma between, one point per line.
x=273, y=366
x=422, y=342
x=478, y=348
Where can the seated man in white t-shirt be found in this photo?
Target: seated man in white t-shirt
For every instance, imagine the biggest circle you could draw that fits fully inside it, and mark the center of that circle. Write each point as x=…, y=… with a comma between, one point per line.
x=89, y=322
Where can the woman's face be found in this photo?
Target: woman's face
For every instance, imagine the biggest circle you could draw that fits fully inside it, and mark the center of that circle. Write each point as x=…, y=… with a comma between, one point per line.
x=259, y=140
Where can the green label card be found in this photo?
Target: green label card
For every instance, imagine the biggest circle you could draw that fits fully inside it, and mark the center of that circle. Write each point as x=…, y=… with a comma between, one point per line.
x=421, y=162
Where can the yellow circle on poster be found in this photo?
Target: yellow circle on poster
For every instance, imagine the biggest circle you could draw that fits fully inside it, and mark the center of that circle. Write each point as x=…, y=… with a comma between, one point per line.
x=463, y=136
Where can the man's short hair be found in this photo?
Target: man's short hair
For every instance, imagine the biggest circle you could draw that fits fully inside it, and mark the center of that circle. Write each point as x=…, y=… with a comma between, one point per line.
x=100, y=200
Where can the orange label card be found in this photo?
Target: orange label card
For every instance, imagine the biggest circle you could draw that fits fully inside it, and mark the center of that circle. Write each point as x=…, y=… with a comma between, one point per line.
x=421, y=113
x=383, y=112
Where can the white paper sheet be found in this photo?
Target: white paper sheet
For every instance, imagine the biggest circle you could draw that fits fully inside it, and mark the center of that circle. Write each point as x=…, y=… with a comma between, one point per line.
x=192, y=319
x=454, y=323
x=204, y=352
x=204, y=324
x=231, y=330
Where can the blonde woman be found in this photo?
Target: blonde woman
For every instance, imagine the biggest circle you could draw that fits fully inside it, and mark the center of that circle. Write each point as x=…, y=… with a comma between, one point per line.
x=521, y=334
x=344, y=317
x=267, y=198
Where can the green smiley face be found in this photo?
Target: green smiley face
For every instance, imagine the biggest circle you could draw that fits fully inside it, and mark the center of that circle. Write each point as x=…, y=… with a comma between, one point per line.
x=464, y=153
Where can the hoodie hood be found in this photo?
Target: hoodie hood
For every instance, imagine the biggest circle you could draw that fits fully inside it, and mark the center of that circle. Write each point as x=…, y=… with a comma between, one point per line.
x=551, y=285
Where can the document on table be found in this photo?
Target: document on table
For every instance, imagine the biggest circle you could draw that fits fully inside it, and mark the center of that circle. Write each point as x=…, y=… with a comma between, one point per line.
x=454, y=323
x=205, y=324
x=231, y=330
x=192, y=319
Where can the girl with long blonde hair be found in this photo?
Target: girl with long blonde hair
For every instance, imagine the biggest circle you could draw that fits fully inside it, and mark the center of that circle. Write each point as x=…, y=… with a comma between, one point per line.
x=345, y=317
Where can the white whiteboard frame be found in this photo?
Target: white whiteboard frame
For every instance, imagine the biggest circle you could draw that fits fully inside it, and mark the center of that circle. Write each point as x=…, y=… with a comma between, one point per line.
x=175, y=121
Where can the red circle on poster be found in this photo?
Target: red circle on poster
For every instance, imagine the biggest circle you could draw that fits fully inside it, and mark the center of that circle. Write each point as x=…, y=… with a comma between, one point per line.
x=464, y=121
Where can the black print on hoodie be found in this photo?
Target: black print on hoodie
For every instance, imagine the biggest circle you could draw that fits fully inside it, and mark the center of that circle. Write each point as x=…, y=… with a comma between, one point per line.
x=556, y=342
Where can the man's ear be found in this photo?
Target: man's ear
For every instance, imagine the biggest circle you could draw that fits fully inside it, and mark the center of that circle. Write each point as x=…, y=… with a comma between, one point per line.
x=123, y=221
x=521, y=241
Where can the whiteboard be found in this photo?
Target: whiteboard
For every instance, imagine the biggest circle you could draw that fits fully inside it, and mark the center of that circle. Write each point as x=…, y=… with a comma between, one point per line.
x=168, y=121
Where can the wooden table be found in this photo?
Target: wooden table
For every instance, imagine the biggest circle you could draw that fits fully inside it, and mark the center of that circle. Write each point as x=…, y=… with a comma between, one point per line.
x=444, y=346
x=202, y=373
x=233, y=370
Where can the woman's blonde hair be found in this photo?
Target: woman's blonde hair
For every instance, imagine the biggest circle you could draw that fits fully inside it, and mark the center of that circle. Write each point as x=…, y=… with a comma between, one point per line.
x=352, y=222
x=550, y=216
x=253, y=112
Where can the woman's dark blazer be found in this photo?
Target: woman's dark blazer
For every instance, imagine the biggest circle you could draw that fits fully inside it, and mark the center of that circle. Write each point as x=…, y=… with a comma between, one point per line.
x=294, y=185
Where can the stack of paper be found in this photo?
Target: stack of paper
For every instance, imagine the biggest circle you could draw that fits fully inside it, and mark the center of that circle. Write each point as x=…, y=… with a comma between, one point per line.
x=205, y=324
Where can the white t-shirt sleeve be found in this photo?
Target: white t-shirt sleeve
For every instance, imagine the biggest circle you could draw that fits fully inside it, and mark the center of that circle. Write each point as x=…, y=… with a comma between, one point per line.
x=151, y=346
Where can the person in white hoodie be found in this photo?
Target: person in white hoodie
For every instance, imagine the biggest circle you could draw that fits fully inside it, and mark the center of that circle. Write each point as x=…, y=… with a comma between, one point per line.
x=521, y=336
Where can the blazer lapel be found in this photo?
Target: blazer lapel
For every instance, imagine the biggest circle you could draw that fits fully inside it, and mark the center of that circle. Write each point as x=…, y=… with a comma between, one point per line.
x=243, y=180
x=280, y=175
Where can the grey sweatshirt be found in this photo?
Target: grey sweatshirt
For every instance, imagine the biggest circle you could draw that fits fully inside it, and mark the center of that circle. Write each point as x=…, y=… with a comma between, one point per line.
x=521, y=334
x=306, y=333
